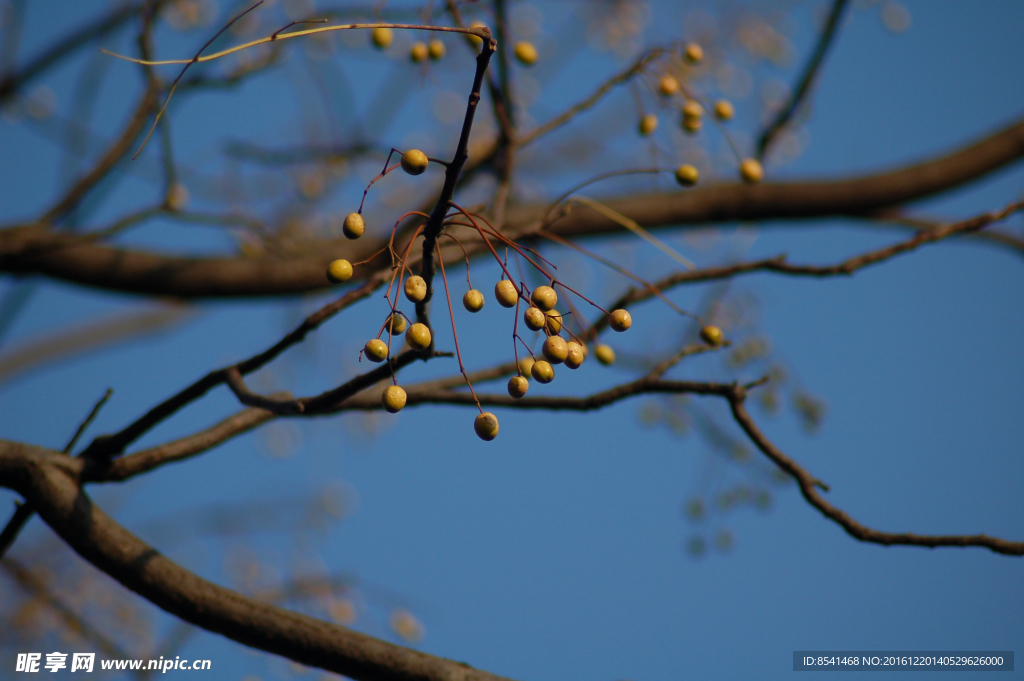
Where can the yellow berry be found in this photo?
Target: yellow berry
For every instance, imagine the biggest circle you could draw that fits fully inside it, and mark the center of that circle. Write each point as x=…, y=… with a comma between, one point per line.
x=354, y=226
x=473, y=300
x=554, y=321
x=648, y=124
x=724, y=110
x=418, y=337
x=393, y=399
x=506, y=293
x=712, y=335
x=534, y=318
x=687, y=175
x=339, y=271
x=395, y=324
x=418, y=52
x=693, y=109
x=751, y=171
x=668, y=85
x=436, y=49
x=605, y=355
x=382, y=37
x=526, y=53
x=474, y=40
x=526, y=366
x=544, y=297
x=406, y=625
x=555, y=349
x=692, y=125
x=375, y=350
x=517, y=386
x=415, y=288
x=177, y=196
x=620, y=320
x=486, y=426
x=542, y=371
x=694, y=54
x=574, y=358
x=414, y=162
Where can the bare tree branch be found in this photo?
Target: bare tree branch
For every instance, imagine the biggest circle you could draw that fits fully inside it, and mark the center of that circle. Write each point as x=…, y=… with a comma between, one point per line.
x=43, y=478
x=65, y=46
x=779, y=265
x=808, y=489
x=806, y=80
x=62, y=256
x=137, y=463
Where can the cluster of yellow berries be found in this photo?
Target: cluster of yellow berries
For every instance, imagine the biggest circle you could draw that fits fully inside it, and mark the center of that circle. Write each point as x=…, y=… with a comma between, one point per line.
x=382, y=37
x=692, y=118
x=542, y=315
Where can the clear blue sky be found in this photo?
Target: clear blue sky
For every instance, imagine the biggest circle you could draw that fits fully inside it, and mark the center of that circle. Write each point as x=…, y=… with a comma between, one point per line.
x=560, y=549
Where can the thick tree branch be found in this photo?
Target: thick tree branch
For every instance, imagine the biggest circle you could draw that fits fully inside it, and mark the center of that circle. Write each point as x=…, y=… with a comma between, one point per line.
x=43, y=478
x=32, y=250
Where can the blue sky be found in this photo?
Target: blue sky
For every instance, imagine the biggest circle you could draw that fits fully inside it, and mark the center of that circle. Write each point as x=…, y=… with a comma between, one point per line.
x=560, y=549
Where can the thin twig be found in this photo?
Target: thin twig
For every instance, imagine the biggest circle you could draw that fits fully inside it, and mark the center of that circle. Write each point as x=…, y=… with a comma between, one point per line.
x=806, y=80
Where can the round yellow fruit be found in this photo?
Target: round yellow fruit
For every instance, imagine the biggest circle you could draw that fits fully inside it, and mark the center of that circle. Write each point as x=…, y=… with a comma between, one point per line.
x=544, y=297
x=724, y=110
x=620, y=320
x=414, y=162
x=486, y=426
x=694, y=53
x=648, y=124
x=555, y=349
x=712, y=335
x=415, y=288
x=375, y=350
x=418, y=337
x=575, y=356
x=534, y=318
x=605, y=355
x=668, y=85
x=339, y=271
x=526, y=53
x=353, y=227
x=517, y=386
x=382, y=37
x=418, y=52
x=554, y=321
x=542, y=371
x=751, y=171
x=436, y=50
x=687, y=175
x=693, y=109
x=473, y=300
x=506, y=293
x=526, y=366
x=692, y=125
x=395, y=324
x=393, y=399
